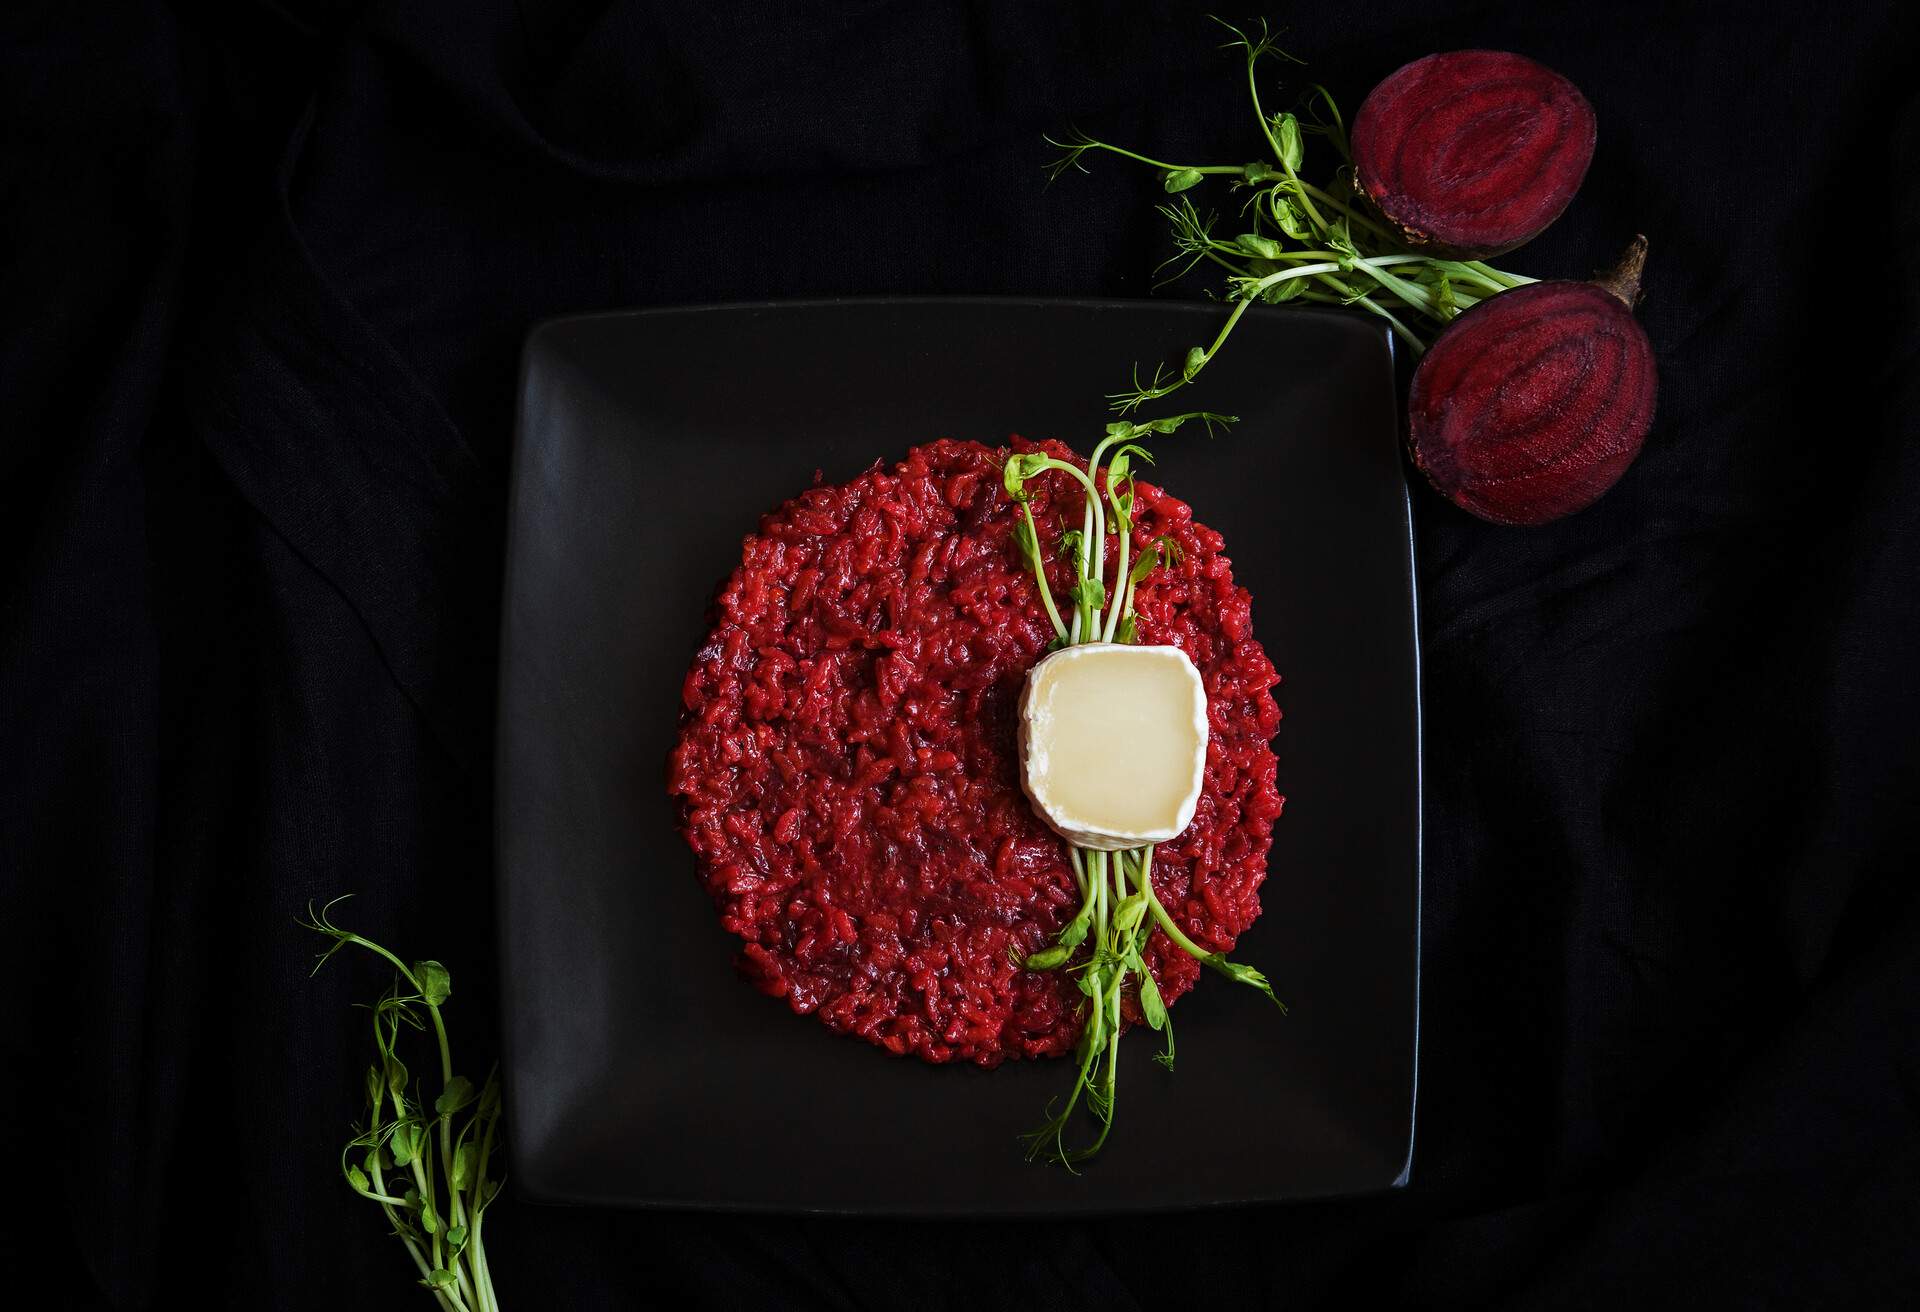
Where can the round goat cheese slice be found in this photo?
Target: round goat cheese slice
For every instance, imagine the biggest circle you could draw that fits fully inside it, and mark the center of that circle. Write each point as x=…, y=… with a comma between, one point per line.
x=1113, y=743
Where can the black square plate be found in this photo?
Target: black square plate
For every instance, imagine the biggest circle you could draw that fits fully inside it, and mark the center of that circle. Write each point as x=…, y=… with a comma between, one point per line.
x=641, y=1070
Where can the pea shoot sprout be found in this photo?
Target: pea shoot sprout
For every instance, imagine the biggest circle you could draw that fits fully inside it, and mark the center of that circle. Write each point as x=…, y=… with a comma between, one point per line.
x=1317, y=245
x=1102, y=946
x=428, y=1176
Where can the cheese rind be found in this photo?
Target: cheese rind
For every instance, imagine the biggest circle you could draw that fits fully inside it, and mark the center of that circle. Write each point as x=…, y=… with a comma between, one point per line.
x=1113, y=743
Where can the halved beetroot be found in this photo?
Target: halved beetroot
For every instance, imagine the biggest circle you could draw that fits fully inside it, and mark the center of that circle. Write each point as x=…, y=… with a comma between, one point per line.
x=1472, y=152
x=1535, y=401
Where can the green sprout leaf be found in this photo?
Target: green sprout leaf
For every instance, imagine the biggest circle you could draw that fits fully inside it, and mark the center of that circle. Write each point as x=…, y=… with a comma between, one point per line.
x=1152, y=1006
x=1286, y=136
x=435, y=984
x=1049, y=958
x=1265, y=248
x=1240, y=974
x=396, y=1075
x=1287, y=218
x=1196, y=361
x=1282, y=292
x=405, y=1143
x=438, y=1278
x=358, y=1179
x=1089, y=592
x=457, y=1094
x=1177, y=180
x=1019, y=469
x=1075, y=932
x=1173, y=422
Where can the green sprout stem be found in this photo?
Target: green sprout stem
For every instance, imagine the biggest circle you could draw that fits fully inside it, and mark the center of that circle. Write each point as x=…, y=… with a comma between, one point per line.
x=1129, y=401
x=1159, y=913
x=1086, y=537
x=1040, y=573
x=1122, y=589
x=1079, y=145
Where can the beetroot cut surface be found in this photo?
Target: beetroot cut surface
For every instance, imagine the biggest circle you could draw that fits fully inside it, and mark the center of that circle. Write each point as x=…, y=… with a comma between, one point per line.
x=847, y=773
x=1534, y=402
x=1471, y=153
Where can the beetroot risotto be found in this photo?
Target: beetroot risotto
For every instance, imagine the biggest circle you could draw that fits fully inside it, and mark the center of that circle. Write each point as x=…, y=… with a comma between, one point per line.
x=846, y=771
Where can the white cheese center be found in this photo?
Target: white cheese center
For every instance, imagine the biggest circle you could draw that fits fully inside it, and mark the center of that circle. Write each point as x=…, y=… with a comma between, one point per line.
x=1113, y=743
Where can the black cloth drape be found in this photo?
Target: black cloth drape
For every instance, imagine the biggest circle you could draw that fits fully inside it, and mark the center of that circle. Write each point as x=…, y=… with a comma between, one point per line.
x=266, y=269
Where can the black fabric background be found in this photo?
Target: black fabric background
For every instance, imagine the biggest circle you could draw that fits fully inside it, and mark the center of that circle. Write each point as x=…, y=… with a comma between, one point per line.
x=265, y=271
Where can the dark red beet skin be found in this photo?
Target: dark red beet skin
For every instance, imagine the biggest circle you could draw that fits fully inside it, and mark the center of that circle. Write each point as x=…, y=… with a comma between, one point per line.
x=1472, y=152
x=1535, y=401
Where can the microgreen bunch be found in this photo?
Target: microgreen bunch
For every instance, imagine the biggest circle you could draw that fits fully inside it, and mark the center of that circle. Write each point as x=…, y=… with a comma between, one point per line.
x=1103, y=945
x=424, y=1163
x=1097, y=615
x=1305, y=243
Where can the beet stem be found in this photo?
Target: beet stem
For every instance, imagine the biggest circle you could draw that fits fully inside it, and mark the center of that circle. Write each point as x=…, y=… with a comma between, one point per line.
x=1623, y=280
